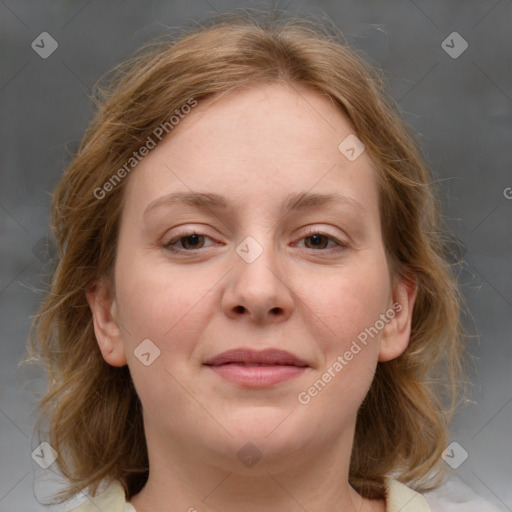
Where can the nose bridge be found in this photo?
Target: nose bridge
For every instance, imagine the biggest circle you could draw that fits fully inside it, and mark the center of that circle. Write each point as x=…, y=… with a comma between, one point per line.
x=256, y=261
x=257, y=286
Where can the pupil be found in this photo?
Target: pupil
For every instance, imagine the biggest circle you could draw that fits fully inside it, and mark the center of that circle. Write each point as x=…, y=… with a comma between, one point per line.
x=316, y=240
x=191, y=240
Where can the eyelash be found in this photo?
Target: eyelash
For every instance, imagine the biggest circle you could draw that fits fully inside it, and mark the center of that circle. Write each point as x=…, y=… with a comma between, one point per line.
x=169, y=244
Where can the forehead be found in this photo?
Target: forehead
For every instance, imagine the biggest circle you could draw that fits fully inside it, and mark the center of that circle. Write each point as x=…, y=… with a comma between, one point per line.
x=261, y=142
x=268, y=119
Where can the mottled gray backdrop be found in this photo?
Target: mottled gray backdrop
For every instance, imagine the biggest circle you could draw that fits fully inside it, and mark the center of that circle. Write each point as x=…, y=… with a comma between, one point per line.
x=457, y=98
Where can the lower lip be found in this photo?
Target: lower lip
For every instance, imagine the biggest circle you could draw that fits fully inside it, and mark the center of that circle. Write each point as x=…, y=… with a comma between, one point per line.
x=258, y=376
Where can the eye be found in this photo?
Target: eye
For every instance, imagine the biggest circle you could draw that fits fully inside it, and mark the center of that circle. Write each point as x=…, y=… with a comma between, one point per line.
x=319, y=241
x=190, y=241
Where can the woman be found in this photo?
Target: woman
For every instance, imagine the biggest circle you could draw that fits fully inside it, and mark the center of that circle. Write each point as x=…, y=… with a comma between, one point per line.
x=252, y=307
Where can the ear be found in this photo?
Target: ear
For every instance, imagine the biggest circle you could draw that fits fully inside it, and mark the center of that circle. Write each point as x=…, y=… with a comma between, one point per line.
x=108, y=334
x=397, y=332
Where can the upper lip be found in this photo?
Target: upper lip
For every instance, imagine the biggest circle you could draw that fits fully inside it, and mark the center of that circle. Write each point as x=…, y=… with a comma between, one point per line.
x=270, y=356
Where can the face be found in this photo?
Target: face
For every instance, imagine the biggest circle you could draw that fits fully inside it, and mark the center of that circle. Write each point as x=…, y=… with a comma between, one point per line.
x=265, y=261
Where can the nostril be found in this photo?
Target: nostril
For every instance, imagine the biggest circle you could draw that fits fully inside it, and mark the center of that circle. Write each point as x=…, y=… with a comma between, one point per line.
x=239, y=309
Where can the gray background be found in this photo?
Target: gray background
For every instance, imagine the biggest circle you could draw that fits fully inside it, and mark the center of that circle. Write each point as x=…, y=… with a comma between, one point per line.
x=460, y=108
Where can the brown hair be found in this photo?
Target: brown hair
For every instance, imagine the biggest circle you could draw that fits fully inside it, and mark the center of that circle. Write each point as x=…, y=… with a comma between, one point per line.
x=94, y=413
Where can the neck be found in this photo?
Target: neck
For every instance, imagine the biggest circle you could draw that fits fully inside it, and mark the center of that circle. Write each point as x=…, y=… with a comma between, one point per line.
x=188, y=478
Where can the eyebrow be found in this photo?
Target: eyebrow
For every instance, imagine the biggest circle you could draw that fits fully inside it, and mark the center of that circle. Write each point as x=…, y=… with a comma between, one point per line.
x=291, y=203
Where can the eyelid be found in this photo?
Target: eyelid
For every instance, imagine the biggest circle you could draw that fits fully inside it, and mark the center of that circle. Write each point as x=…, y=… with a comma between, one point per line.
x=319, y=231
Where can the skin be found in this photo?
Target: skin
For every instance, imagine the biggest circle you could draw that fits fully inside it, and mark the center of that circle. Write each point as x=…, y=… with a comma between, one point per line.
x=254, y=146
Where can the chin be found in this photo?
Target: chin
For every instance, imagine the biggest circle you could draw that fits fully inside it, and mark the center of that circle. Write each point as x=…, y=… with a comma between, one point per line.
x=269, y=433
x=248, y=455
x=265, y=422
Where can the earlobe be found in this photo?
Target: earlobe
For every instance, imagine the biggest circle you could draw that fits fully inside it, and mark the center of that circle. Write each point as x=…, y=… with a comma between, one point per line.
x=106, y=329
x=397, y=332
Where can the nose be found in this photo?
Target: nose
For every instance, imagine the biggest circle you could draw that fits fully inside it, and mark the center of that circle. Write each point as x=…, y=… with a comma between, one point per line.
x=259, y=290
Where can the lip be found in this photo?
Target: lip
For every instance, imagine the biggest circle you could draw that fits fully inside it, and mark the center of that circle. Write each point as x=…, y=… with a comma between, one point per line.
x=253, y=368
x=269, y=356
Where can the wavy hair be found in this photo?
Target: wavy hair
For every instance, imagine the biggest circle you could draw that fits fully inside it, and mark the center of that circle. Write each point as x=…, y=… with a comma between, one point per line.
x=91, y=411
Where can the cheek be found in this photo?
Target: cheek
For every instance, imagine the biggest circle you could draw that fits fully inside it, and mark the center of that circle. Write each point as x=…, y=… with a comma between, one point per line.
x=347, y=308
x=347, y=316
x=351, y=301
x=165, y=308
x=155, y=300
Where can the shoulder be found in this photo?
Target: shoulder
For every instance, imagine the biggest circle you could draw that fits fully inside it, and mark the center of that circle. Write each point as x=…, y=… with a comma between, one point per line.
x=402, y=499
x=113, y=499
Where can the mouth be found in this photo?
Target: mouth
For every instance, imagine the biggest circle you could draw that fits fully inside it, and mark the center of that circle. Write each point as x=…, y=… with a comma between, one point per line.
x=250, y=368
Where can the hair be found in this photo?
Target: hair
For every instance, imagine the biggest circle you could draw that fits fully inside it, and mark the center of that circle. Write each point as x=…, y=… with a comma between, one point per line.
x=91, y=411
